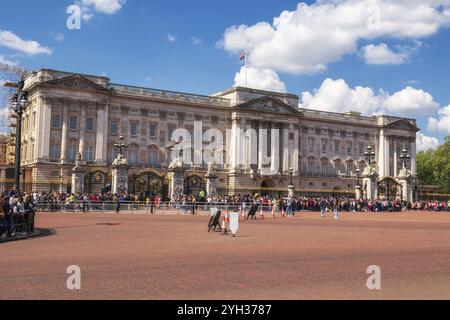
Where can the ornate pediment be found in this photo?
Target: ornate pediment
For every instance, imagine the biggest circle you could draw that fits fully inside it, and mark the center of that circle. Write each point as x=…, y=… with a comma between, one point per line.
x=268, y=104
x=402, y=124
x=76, y=82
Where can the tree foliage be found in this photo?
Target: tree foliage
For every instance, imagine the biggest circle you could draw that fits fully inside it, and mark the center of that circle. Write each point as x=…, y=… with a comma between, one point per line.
x=433, y=166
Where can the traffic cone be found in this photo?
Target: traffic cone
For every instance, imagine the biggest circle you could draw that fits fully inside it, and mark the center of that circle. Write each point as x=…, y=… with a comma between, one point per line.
x=261, y=214
x=283, y=215
x=224, y=224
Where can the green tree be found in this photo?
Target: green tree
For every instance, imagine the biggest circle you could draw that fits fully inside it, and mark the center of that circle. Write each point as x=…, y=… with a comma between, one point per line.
x=425, y=166
x=433, y=166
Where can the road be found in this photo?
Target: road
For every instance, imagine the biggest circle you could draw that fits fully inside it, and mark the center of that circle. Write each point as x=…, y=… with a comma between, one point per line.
x=173, y=257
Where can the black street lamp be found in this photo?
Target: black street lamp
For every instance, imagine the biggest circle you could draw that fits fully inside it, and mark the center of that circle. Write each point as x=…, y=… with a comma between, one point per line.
x=291, y=173
x=18, y=105
x=121, y=145
x=404, y=158
x=369, y=155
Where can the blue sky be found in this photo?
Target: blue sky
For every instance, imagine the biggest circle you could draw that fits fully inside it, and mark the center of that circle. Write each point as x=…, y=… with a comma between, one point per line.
x=337, y=55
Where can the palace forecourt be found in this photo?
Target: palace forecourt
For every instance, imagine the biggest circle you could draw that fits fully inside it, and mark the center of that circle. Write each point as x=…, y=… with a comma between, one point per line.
x=74, y=121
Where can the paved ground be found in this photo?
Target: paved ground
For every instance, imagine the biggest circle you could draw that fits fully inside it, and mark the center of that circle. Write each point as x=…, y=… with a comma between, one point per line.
x=173, y=257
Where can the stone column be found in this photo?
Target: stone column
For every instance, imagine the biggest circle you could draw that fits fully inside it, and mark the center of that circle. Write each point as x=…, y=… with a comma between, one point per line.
x=413, y=154
x=286, y=151
x=234, y=146
x=387, y=159
x=295, y=153
x=82, y=131
x=381, y=153
x=395, y=158
x=64, y=133
x=101, y=139
x=119, y=174
x=78, y=173
x=211, y=182
x=176, y=182
x=275, y=150
x=260, y=146
x=43, y=123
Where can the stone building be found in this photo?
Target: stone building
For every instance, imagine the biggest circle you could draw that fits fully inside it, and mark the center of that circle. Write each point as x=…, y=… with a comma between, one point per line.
x=73, y=113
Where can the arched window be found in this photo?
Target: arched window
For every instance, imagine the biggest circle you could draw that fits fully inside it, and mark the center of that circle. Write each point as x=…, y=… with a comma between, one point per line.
x=310, y=165
x=133, y=154
x=324, y=167
x=337, y=166
x=153, y=155
x=349, y=168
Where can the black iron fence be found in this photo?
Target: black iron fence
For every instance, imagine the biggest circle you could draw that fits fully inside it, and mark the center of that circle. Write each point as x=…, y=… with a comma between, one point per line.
x=17, y=225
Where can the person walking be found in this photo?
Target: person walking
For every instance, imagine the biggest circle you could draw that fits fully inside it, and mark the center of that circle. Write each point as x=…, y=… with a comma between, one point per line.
x=334, y=207
x=117, y=200
x=323, y=207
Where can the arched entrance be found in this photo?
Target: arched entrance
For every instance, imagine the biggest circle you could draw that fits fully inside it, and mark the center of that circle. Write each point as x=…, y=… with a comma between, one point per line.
x=150, y=183
x=193, y=185
x=388, y=189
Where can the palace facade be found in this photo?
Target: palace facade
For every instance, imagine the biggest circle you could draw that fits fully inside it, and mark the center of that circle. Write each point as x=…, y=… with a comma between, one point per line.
x=71, y=113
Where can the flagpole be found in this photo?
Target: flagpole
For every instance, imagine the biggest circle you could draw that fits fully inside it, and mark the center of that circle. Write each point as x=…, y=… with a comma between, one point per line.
x=246, y=68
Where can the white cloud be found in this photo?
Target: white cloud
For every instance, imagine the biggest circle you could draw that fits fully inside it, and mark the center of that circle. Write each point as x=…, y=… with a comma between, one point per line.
x=425, y=143
x=171, y=37
x=104, y=6
x=58, y=36
x=442, y=123
x=10, y=40
x=338, y=96
x=411, y=100
x=196, y=40
x=263, y=79
x=307, y=39
x=4, y=120
x=382, y=54
x=101, y=6
x=4, y=60
x=149, y=78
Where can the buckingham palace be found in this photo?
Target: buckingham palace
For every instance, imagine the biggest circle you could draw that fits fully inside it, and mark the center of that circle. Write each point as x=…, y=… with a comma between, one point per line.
x=71, y=114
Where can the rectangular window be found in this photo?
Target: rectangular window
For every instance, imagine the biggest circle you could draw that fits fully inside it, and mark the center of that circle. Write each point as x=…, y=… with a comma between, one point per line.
x=361, y=149
x=114, y=127
x=55, y=151
x=153, y=157
x=134, y=129
x=56, y=121
x=324, y=145
x=73, y=122
x=152, y=131
x=90, y=124
x=311, y=142
x=133, y=157
x=337, y=146
x=349, y=147
x=89, y=153
x=72, y=152
x=170, y=132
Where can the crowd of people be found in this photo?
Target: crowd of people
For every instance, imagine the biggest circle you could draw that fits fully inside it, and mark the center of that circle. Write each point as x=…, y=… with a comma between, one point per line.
x=17, y=210
x=16, y=214
x=57, y=200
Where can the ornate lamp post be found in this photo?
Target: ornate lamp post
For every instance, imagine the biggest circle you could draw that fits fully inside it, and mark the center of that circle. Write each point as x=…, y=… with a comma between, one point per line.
x=121, y=145
x=291, y=183
x=369, y=154
x=18, y=104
